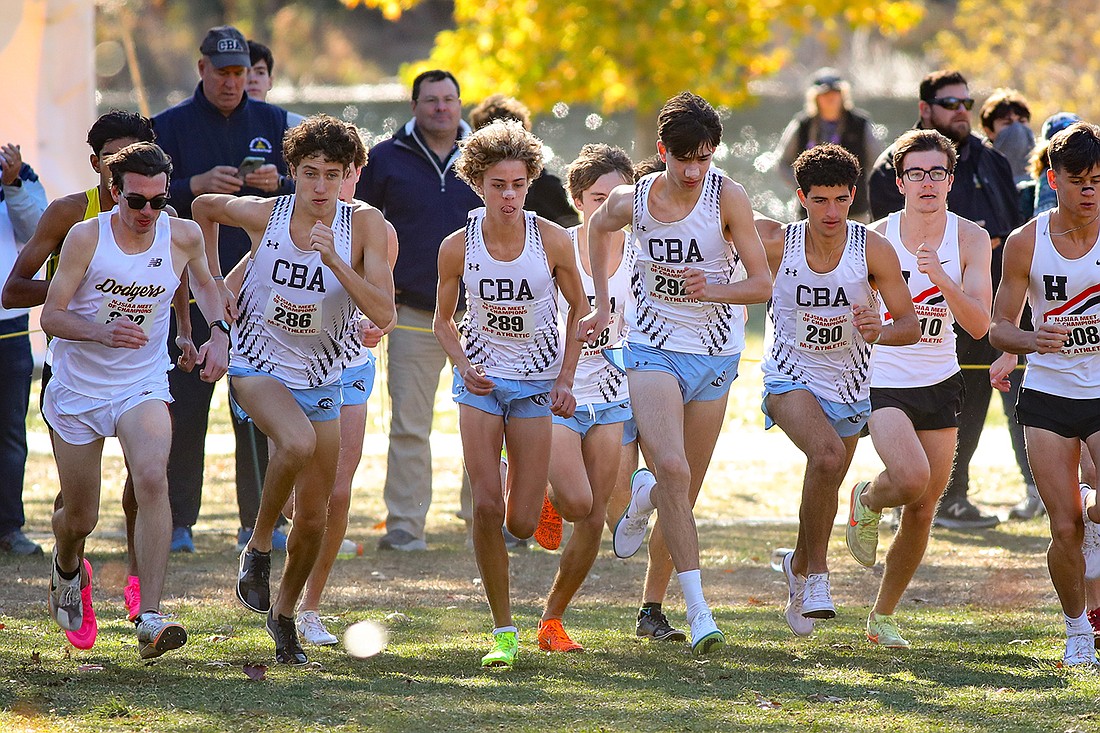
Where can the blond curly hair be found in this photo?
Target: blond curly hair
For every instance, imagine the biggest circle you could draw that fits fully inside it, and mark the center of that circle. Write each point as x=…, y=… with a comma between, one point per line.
x=498, y=141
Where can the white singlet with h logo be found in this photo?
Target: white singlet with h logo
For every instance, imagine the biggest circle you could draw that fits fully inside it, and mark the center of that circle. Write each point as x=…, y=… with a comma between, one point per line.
x=511, y=324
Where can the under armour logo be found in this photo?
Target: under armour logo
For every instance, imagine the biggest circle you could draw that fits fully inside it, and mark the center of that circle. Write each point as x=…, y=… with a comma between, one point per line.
x=326, y=403
x=155, y=262
x=475, y=266
x=271, y=243
x=793, y=272
x=641, y=227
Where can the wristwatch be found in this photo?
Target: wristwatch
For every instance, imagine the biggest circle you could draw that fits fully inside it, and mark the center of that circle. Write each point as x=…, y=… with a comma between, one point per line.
x=222, y=324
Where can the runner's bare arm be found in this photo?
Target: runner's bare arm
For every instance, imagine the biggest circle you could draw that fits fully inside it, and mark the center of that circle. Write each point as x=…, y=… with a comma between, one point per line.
x=372, y=289
x=884, y=268
x=771, y=235
x=22, y=290
x=563, y=265
x=1004, y=330
x=214, y=354
x=452, y=259
x=971, y=299
x=738, y=228
x=614, y=214
x=250, y=213
x=181, y=309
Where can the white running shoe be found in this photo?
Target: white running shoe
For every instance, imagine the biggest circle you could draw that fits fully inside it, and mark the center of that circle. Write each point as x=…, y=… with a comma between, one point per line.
x=1080, y=650
x=796, y=585
x=1090, y=547
x=313, y=630
x=817, y=600
x=65, y=604
x=705, y=636
x=630, y=530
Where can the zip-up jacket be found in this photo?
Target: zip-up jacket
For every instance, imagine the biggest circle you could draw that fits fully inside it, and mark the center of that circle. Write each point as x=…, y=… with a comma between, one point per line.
x=424, y=200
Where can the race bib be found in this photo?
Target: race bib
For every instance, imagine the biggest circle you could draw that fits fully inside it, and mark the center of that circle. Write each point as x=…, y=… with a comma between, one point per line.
x=933, y=323
x=666, y=284
x=818, y=333
x=509, y=321
x=605, y=338
x=140, y=313
x=1084, y=333
x=294, y=318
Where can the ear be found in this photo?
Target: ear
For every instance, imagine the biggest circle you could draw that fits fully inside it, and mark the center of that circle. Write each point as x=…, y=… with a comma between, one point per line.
x=94, y=160
x=924, y=109
x=801, y=197
x=202, y=65
x=662, y=151
x=1051, y=179
x=901, y=184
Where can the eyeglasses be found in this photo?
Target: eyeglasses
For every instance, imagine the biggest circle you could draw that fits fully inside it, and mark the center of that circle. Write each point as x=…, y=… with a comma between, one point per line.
x=137, y=203
x=953, y=103
x=916, y=175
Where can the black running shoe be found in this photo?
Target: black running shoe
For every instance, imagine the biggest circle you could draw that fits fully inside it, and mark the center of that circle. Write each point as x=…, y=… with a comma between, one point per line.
x=287, y=648
x=652, y=624
x=254, y=581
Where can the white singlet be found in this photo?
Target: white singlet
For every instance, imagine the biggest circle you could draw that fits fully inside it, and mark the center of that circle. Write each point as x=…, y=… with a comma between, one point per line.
x=666, y=317
x=120, y=285
x=932, y=359
x=1067, y=292
x=511, y=323
x=597, y=382
x=295, y=313
x=814, y=339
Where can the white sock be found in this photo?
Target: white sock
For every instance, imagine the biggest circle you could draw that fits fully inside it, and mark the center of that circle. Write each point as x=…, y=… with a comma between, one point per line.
x=1078, y=626
x=642, y=499
x=503, y=629
x=692, y=585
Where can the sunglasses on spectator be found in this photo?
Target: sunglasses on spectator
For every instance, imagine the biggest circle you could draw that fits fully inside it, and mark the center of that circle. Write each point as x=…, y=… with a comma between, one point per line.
x=137, y=203
x=916, y=175
x=953, y=103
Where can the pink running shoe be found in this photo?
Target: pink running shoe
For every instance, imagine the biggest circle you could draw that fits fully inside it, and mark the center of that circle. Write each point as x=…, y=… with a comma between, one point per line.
x=84, y=637
x=132, y=596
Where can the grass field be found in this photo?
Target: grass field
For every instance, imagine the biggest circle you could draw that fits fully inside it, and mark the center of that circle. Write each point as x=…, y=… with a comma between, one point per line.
x=981, y=614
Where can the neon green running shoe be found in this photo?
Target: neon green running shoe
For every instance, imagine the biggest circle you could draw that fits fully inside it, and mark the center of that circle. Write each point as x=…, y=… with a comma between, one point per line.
x=862, y=534
x=504, y=651
x=882, y=629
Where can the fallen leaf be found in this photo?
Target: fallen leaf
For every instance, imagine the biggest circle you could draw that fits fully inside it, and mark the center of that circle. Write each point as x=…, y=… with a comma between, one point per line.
x=380, y=526
x=216, y=638
x=1, y=626
x=90, y=668
x=817, y=697
x=765, y=704
x=255, y=672
x=754, y=601
x=36, y=658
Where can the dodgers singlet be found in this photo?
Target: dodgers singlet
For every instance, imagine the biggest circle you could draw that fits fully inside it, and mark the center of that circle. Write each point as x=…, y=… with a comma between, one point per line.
x=815, y=342
x=596, y=381
x=511, y=323
x=120, y=285
x=666, y=318
x=295, y=313
x=1066, y=292
x=932, y=359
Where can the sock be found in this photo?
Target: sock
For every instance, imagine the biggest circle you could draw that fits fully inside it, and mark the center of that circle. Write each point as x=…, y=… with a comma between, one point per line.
x=691, y=584
x=648, y=607
x=642, y=499
x=1078, y=626
x=64, y=575
x=505, y=629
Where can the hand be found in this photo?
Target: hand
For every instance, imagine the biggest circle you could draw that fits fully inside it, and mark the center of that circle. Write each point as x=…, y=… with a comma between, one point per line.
x=189, y=355
x=476, y=382
x=562, y=401
x=867, y=321
x=321, y=240
x=369, y=334
x=122, y=333
x=214, y=357
x=11, y=161
x=1050, y=338
x=999, y=370
x=591, y=327
x=229, y=302
x=695, y=283
x=219, y=179
x=265, y=178
x=928, y=263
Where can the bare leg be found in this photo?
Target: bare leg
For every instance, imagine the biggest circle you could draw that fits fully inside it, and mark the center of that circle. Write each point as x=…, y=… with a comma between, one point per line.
x=482, y=439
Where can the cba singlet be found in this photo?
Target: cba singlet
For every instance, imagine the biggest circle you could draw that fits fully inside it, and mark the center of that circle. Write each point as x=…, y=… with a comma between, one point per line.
x=665, y=317
x=1066, y=292
x=596, y=381
x=815, y=341
x=511, y=323
x=120, y=285
x=295, y=313
x=932, y=359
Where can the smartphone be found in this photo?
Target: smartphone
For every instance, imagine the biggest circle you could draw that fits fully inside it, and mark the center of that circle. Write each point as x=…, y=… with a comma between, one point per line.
x=249, y=165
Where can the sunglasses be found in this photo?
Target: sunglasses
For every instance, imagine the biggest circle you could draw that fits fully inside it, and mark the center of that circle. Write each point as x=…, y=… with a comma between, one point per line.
x=137, y=203
x=916, y=175
x=953, y=103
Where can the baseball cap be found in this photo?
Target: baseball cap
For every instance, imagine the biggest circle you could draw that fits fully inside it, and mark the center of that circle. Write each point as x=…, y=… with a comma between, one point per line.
x=226, y=47
x=826, y=79
x=1058, y=122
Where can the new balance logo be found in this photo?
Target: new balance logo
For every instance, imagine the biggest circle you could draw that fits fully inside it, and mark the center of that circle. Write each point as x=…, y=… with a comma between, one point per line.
x=155, y=262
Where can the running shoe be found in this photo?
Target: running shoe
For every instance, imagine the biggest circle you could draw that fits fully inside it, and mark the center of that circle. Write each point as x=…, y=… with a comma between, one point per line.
x=158, y=634
x=817, y=600
x=84, y=637
x=17, y=543
x=652, y=624
x=963, y=515
x=1029, y=507
x=312, y=629
x=630, y=530
x=131, y=594
x=552, y=637
x=1090, y=546
x=254, y=581
x=796, y=586
x=883, y=630
x=1080, y=650
x=402, y=541
x=288, y=650
x=548, y=533
x=862, y=534
x=64, y=601
x=705, y=636
x=504, y=651
x=181, y=540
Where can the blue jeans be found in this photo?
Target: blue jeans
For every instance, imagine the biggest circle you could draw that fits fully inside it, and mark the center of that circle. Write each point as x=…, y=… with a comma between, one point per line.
x=15, y=356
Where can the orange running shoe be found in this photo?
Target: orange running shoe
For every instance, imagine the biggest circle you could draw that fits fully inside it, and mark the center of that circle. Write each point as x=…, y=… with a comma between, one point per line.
x=552, y=637
x=548, y=533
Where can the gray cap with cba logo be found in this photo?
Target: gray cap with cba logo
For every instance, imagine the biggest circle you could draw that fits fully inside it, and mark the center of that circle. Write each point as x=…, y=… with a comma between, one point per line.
x=225, y=46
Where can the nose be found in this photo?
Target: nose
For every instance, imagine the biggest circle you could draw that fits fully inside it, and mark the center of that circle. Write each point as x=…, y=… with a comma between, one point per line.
x=509, y=193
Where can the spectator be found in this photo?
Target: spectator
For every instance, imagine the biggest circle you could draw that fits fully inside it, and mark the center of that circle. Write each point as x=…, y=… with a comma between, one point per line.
x=1005, y=119
x=208, y=136
x=1045, y=198
x=261, y=77
x=406, y=176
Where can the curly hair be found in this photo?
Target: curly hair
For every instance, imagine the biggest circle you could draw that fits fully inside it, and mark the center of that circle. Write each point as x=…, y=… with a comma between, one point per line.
x=500, y=107
x=498, y=141
x=593, y=162
x=324, y=135
x=919, y=141
x=360, y=158
x=826, y=165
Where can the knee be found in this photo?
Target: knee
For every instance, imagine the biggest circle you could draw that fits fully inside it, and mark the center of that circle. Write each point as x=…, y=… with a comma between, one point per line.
x=81, y=520
x=339, y=503
x=910, y=480
x=150, y=482
x=489, y=512
x=309, y=523
x=828, y=461
x=296, y=449
x=1067, y=532
x=574, y=509
x=672, y=471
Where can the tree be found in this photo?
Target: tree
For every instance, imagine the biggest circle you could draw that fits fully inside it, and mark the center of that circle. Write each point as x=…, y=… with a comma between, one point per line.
x=1044, y=48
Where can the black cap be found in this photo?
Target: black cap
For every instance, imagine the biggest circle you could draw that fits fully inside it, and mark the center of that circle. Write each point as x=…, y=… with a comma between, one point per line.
x=826, y=79
x=226, y=47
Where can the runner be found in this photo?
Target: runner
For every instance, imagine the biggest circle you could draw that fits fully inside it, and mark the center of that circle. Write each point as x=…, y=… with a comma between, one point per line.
x=916, y=391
